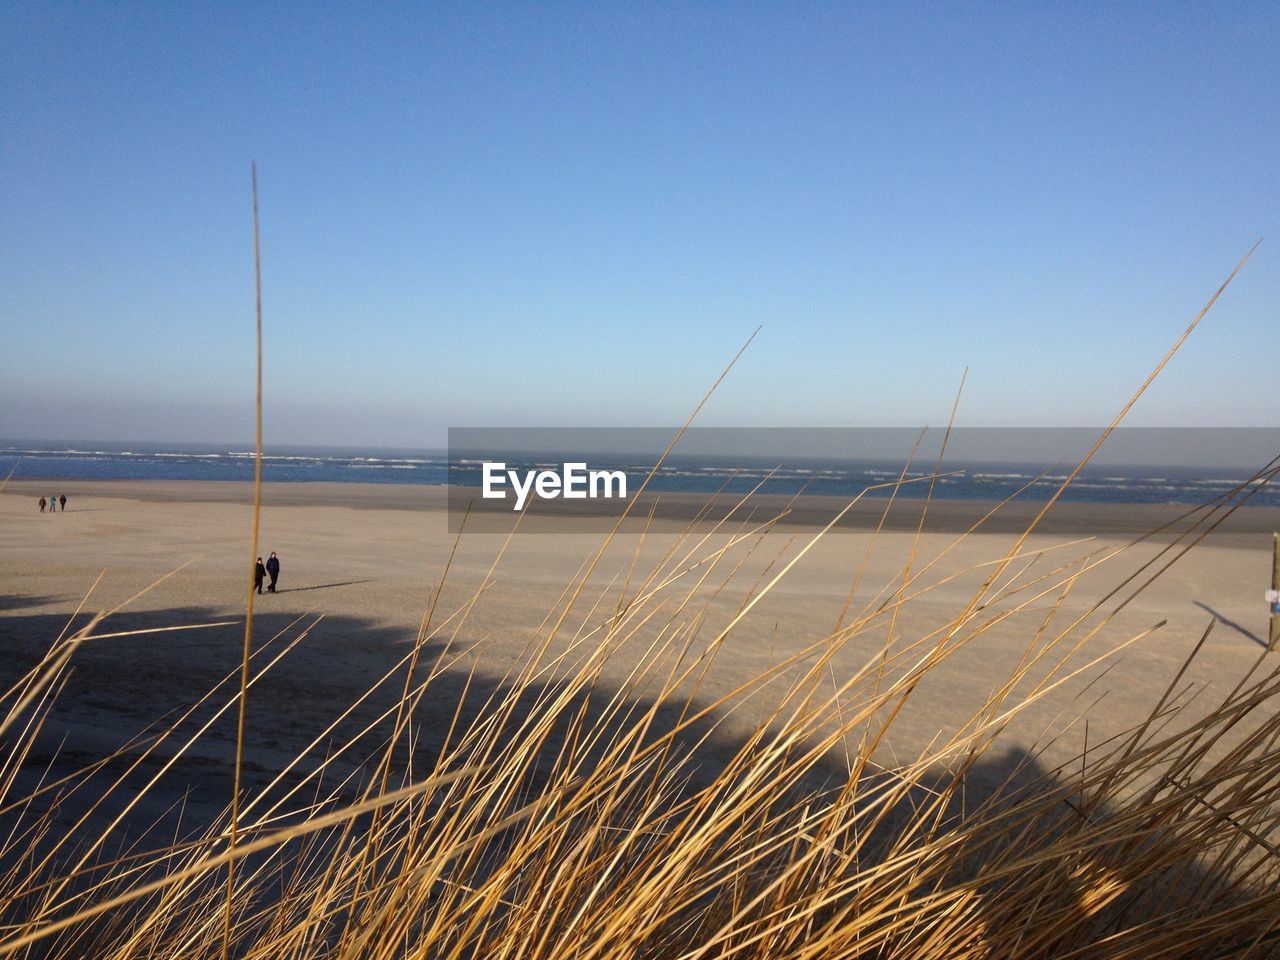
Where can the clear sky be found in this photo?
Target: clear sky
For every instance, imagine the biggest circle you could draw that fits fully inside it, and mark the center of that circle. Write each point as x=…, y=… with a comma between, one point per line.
x=574, y=214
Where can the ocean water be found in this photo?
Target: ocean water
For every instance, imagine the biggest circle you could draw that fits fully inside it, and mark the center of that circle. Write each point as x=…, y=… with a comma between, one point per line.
x=706, y=475
x=98, y=461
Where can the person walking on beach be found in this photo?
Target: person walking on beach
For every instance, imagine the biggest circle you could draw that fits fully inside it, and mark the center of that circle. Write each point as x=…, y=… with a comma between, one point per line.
x=259, y=572
x=273, y=568
x=53, y=504
x=42, y=504
x=62, y=502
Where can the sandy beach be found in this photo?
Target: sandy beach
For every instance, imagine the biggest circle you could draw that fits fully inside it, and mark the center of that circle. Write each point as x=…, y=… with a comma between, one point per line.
x=361, y=564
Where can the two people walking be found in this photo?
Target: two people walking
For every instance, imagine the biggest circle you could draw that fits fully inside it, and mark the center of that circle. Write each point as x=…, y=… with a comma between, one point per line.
x=261, y=571
x=53, y=504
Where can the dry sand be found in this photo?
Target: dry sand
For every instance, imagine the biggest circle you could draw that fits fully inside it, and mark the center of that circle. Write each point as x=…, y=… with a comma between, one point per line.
x=367, y=558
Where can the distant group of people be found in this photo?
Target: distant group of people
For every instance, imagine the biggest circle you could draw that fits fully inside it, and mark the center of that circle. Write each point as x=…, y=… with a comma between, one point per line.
x=53, y=503
x=270, y=569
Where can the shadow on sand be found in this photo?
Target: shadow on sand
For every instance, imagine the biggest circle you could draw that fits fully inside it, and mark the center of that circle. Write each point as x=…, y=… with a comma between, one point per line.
x=1227, y=622
x=323, y=586
x=123, y=685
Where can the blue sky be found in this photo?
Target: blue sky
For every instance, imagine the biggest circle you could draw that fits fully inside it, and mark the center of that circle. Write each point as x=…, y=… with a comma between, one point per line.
x=574, y=214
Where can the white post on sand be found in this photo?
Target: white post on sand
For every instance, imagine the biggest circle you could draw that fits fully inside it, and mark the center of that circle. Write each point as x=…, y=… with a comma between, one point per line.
x=1273, y=597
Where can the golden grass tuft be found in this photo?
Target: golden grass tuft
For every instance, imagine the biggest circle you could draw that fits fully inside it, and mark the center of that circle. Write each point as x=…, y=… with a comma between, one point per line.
x=565, y=818
x=561, y=814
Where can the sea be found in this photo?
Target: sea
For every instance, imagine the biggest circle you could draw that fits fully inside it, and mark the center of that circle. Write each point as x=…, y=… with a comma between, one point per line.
x=841, y=478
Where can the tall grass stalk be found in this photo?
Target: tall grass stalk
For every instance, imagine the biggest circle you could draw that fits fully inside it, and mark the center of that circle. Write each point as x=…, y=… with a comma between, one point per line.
x=253, y=554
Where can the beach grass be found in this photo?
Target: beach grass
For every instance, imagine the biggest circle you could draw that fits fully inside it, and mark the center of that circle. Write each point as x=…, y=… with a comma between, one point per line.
x=564, y=813
x=566, y=816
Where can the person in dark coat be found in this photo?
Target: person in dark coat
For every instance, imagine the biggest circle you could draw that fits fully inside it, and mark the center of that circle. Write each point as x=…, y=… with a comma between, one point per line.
x=62, y=502
x=259, y=572
x=273, y=569
x=42, y=504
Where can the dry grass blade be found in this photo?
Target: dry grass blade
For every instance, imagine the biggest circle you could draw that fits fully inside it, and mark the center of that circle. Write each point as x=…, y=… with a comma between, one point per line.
x=253, y=553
